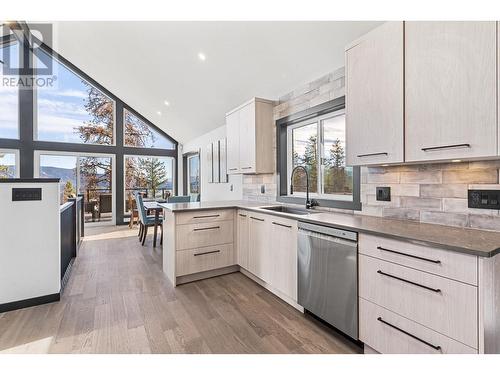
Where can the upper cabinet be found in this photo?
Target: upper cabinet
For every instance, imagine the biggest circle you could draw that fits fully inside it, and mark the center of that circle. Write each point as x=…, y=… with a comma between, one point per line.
x=450, y=90
x=250, y=138
x=374, y=97
x=428, y=88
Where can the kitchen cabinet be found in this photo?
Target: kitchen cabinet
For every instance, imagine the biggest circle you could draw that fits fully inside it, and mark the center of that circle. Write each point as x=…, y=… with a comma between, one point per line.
x=374, y=97
x=283, y=248
x=259, y=251
x=450, y=90
x=242, y=238
x=250, y=138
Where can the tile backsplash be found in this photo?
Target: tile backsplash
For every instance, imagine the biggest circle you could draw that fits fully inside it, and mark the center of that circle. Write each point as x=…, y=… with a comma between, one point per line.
x=430, y=193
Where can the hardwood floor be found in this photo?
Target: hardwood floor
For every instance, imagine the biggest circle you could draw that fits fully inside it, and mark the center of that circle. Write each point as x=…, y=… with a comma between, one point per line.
x=118, y=301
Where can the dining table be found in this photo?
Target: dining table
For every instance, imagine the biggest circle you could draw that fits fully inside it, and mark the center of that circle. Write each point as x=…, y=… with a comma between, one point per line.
x=155, y=207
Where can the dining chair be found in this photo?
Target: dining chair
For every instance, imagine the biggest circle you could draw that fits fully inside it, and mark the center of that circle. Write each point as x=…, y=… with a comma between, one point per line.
x=146, y=221
x=179, y=199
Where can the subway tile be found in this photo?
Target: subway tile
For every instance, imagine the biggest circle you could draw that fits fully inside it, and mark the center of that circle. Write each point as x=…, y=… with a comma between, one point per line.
x=421, y=203
x=320, y=99
x=401, y=213
x=471, y=176
x=484, y=164
x=485, y=222
x=372, y=200
x=317, y=83
x=443, y=191
x=457, y=205
x=337, y=93
x=443, y=166
x=409, y=190
x=422, y=177
x=444, y=218
x=484, y=186
x=370, y=210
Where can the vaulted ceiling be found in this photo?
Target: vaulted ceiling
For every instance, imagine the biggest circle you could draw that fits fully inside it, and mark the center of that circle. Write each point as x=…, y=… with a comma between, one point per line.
x=148, y=63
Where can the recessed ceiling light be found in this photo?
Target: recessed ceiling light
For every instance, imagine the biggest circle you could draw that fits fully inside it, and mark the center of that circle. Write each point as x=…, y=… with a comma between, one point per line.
x=158, y=113
x=167, y=103
x=202, y=56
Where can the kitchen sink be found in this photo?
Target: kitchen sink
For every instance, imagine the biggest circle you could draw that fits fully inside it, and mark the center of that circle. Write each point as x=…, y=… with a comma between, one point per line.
x=288, y=210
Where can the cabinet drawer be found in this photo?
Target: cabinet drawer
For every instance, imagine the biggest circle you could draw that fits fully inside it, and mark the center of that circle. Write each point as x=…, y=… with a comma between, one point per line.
x=383, y=331
x=204, y=259
x=191, y=236
x=205, y=216
x=462, y=267
x=446, y=306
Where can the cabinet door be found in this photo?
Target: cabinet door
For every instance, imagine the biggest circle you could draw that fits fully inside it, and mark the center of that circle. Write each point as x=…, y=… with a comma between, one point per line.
x=233, y=142
x=374, y=97
x=242, y=243
x=247, y=139
x=284, y=256
x=450, y=90
x=258, y=261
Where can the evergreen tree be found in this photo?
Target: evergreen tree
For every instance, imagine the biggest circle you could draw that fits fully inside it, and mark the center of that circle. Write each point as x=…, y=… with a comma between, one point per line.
x=154, y=173
x=69, y=191
x=335, y=174
x=310, y=161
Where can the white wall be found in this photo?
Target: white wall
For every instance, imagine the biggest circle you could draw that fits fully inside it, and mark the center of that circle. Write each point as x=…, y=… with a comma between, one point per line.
x=29, y=243
x=233, y=190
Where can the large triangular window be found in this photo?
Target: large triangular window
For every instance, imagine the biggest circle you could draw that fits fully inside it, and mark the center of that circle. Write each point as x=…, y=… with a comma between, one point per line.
x=137, y=133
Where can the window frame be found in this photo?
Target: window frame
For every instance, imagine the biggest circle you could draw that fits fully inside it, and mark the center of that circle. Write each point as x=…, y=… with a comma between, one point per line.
x=55, y=57
x=9, y=40
x=284, y=152
x=148, y=123
x=188, y=174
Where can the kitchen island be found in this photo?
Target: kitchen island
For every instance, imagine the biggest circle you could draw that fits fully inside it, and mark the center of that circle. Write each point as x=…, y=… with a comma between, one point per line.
x=423, y=288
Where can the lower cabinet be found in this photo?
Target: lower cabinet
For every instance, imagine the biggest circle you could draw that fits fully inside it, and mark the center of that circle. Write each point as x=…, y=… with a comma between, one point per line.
x=267, y=247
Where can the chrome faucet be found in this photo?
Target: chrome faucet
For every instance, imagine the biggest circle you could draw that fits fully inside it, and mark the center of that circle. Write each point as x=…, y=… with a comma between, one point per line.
x=309, y=203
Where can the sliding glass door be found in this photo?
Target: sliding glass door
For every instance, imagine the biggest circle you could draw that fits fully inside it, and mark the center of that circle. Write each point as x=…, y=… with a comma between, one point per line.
x=88, y=175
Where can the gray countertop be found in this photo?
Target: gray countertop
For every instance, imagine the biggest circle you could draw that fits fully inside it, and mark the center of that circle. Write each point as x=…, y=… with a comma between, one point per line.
x=465, y=240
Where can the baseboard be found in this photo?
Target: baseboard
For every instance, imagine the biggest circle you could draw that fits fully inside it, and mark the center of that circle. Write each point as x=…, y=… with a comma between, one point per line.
x=29, y=302
x=206, y=274
x=276, y=292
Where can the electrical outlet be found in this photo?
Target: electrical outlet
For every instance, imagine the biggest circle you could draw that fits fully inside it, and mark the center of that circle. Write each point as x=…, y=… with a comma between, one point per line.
x=488, y=199
x=383, y=193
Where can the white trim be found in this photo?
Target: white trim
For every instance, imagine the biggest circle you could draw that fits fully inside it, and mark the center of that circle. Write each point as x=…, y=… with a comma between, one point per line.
x=320, y=155
x=36, y=173
x=16, y=159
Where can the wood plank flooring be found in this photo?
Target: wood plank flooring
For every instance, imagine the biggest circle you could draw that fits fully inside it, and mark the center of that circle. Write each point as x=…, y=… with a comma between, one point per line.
x=118, y=301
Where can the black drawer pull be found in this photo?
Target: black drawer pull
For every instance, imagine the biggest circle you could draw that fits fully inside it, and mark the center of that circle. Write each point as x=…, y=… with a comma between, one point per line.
x=242, y=215
x=373, y=154
x=460, y=145
x=409, y=282
x=256, y=218
x=246, y=167
x=408, y=255
x=207, y=252
x=205, y=216
x=233, y=169
x=435, y=347
x=209, y=228
x=282, y=225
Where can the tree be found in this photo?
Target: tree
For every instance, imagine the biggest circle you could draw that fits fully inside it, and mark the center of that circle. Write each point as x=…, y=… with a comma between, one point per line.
x=310, y=161
x=154, y=173
x=4, y=169
x=69, y=191
x=99, y=129
x=335, y=173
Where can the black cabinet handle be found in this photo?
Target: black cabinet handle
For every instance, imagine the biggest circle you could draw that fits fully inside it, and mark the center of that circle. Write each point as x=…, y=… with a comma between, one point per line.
x=373, y=154
x=204, y=216
x=208, y=228
x=233, y=169
x=256, y=218
x=282, y=225
x=246, y=167
x=435, y=347
x=425, y=149
x=409, y=255
x=207, y=252
x=409, y=282
x=243, y=215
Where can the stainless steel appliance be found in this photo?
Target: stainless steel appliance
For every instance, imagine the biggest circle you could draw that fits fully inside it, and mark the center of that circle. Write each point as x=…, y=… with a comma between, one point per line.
x=328, y=275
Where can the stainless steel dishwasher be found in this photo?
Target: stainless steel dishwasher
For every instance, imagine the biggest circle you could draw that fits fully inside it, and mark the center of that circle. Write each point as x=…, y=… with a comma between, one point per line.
x=328, y=275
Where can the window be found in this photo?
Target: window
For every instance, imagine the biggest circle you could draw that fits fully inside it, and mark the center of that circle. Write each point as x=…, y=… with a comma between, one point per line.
x=8, y=163
x=193, y=173
x=73, y=110
x=137, y=133
x=318, y=144
x=84, y=174
x=151, y=175
x=9, y=96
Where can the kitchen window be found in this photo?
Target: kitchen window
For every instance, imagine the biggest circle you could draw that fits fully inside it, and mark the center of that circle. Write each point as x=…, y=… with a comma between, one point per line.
x=317, y=141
